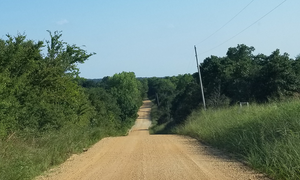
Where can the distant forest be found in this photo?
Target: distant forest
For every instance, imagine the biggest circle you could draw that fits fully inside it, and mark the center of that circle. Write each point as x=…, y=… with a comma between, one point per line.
x=240, y=76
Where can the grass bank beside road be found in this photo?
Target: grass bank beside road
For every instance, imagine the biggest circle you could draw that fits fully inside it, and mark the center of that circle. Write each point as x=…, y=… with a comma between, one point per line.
x=267, y=137
x=27, y=156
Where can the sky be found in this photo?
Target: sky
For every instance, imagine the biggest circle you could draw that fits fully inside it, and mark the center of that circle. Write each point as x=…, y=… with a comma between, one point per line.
x=156, y=37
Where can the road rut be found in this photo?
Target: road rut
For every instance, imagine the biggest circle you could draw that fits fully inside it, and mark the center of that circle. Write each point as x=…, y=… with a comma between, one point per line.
x=142, y=156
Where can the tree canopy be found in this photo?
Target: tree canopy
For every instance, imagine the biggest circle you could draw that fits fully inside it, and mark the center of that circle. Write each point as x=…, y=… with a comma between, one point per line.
x=240, y=76
x=44, y=92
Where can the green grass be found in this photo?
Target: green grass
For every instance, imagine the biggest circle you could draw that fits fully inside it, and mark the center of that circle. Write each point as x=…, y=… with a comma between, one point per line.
x=27, y=156
x=267, y=137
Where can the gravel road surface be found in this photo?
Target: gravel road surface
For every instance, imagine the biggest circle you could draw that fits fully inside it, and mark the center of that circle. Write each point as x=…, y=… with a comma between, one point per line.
x=151, y=157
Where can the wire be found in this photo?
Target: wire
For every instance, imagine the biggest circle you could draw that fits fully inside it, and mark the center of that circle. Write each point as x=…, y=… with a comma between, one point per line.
x=225, y=23
x=189, y=65
x=245, y=28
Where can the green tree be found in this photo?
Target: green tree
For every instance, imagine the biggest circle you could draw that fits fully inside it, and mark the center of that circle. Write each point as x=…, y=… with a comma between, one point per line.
x=185, y=102
x=143, y=87
x=18, y=60
x=165, y=90
x=243, y=68
x=296, y=68
x=183, y=81
x=125, y=88
x=39, y=92
x=277, y=78
x=107, y=112
x=216, y=73
x=65, y=56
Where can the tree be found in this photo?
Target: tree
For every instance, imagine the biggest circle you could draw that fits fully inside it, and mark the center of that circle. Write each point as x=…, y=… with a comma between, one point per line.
x=107, y=111
x=143, y=87
x=185, y=102
x=243, y=69
x=40, y=93
x=165, y=90
x=296, y=68
x=125, y=88
x=19, y=58
x=216, y=73
x=277, y=77
x=183, y=81
x=65, y=56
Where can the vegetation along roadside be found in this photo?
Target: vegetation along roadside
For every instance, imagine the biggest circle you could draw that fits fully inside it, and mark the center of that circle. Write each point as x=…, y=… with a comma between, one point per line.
x=265, y=134
x=48, y=113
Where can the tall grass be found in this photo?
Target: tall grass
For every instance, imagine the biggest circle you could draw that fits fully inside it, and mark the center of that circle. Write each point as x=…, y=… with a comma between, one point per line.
x=27, y=156
x=267, y=137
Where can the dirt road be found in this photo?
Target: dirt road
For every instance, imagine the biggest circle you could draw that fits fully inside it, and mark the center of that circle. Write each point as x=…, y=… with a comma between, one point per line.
x=142, y=156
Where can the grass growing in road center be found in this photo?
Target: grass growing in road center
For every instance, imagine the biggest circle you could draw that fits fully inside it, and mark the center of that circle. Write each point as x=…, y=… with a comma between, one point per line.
x=265, y=136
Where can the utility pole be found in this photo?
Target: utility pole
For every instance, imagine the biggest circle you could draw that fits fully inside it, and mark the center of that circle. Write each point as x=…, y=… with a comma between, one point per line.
x=201, y=85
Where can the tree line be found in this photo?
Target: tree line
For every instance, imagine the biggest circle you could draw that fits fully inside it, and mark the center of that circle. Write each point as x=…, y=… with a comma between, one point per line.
x=43, y=92
x=240, y=76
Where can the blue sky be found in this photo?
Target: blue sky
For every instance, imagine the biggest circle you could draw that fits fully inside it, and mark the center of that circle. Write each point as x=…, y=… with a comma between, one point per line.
x=155, y=37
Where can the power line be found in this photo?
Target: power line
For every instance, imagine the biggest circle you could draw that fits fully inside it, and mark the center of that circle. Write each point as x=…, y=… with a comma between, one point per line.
x=222, y=27
x=245, y=28
x=225, y=23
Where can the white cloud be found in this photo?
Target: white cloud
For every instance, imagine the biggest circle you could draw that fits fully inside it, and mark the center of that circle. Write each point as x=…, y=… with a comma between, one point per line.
x=62, y=22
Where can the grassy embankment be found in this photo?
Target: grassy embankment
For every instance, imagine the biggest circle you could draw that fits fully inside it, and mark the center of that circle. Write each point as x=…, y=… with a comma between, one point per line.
x=27, y=156
x=267, y=137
